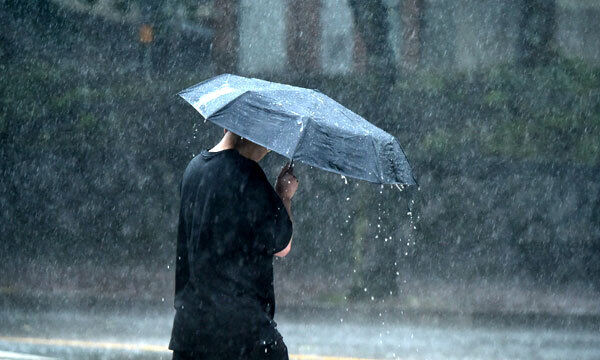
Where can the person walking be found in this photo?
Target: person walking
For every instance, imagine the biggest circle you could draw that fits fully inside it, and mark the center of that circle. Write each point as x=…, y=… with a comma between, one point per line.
x=231, y=224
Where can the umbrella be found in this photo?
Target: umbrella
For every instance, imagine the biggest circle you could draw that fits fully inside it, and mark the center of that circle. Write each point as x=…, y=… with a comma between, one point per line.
x=303, y=125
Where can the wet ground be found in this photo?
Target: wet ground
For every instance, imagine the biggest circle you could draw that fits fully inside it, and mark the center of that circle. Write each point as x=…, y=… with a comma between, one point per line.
x=339, y=334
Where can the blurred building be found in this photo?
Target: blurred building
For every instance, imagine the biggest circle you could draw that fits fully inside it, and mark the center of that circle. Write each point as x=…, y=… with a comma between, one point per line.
x=277, y=36
x=319, y=36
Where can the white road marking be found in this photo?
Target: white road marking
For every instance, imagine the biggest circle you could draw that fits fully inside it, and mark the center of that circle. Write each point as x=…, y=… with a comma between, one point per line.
x=5, y=355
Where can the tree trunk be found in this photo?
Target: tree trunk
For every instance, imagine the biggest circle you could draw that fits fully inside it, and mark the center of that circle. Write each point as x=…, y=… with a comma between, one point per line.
x=411, y=34
x=303, y=29
x=225, y=43
x=370, y=20
x=537, y=30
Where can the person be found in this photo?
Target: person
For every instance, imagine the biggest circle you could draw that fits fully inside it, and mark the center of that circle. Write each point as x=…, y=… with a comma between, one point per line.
x=231, y=224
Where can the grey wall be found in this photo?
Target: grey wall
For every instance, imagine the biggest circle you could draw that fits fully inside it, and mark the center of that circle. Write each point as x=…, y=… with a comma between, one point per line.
x=578, y=33
x=469, y=34
x=262, y=36
x=486, y=32
x=338, y=37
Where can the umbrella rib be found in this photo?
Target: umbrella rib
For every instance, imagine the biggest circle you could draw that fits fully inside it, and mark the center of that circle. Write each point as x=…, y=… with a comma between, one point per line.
x=377, y=165
x=230, y=103
x=308, y=119
x=406, y=159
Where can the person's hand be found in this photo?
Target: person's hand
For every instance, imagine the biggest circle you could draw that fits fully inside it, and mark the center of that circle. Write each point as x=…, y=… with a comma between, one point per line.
x=287, y=183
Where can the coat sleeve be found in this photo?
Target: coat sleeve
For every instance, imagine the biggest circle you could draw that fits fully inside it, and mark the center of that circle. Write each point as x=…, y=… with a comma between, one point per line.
x=268, y=218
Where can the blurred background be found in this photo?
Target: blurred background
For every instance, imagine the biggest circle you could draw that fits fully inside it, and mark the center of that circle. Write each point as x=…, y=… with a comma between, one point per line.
x=496, y=103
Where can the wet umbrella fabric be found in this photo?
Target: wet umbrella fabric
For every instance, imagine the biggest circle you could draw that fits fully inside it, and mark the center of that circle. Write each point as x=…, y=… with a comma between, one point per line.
x=301, y=124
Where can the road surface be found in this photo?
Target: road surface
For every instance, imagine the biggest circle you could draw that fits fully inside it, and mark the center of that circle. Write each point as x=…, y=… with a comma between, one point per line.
x=131, y=334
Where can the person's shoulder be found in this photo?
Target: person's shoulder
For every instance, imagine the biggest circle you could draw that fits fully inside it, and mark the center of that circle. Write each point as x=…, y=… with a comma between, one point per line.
x=249, y=167
x=254, y=178
x=193, y=164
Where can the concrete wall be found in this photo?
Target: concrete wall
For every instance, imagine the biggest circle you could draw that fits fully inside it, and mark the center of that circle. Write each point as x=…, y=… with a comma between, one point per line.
x=469, y=34
x=337, y=36
x=455, y=34
x=486, y=32
x=262, y=36
x=578, y=33
x=438, y=33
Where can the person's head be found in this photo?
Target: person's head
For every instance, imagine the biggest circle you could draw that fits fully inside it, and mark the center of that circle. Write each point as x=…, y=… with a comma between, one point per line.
x=244, y=146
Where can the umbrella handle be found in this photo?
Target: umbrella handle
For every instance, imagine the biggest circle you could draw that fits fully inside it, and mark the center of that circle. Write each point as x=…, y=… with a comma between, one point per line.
x=291, y=163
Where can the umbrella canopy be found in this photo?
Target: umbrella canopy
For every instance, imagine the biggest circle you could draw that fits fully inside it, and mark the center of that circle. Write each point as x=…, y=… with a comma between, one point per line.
x=303, y=125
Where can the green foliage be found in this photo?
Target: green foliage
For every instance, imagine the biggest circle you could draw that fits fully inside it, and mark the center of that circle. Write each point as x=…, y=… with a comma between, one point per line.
x=548, y=113
x=432, y=82
x=497, y=99
x=439, y=142
x=117, y=147
x=588, y=149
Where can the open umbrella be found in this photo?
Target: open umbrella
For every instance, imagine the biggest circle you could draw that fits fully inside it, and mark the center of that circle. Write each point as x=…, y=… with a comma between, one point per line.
x=303, y=125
